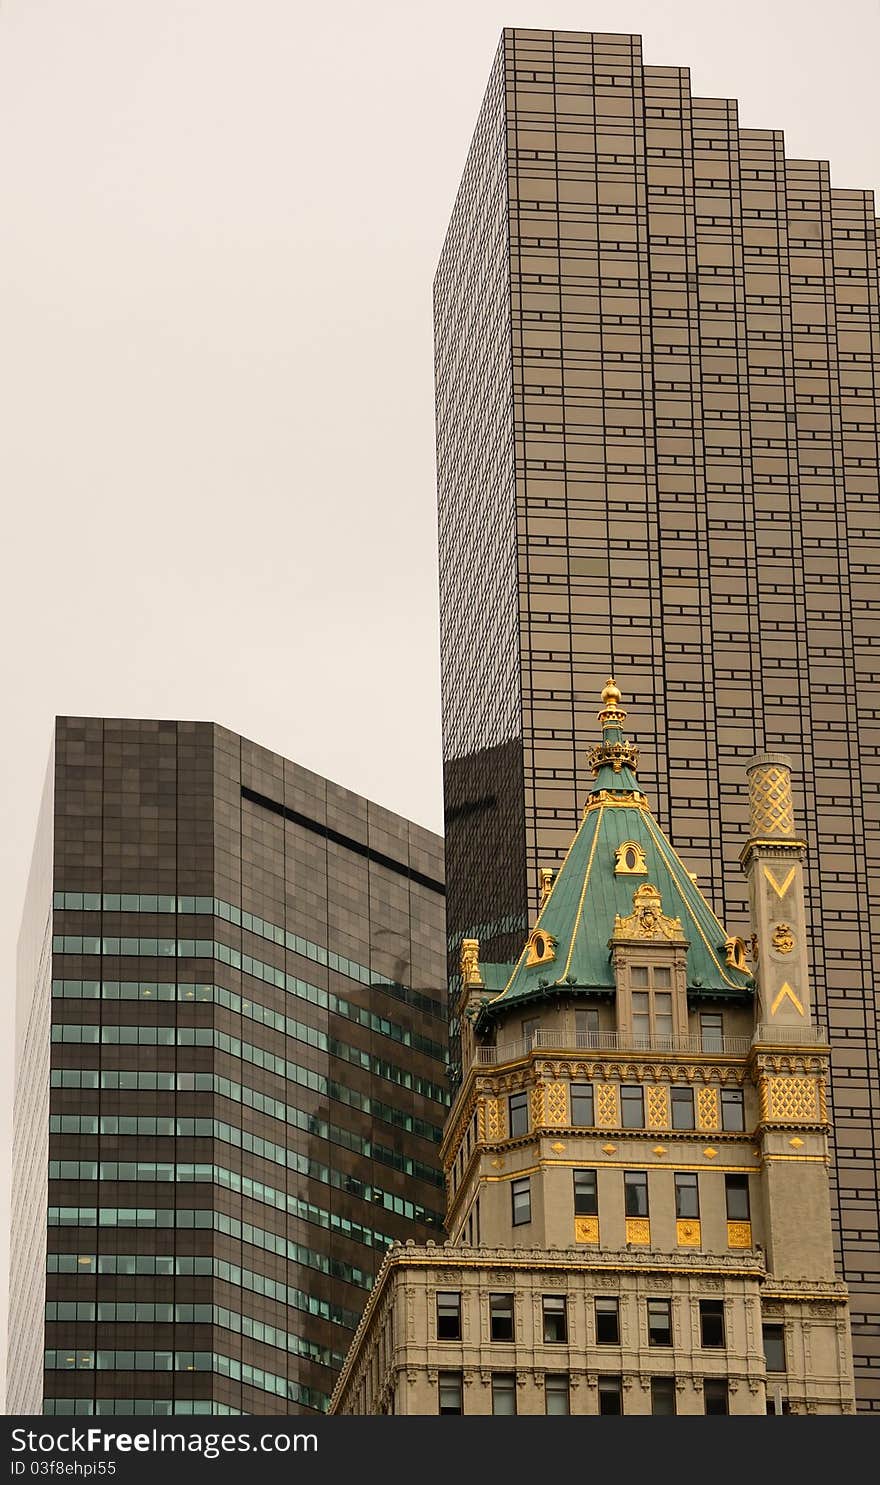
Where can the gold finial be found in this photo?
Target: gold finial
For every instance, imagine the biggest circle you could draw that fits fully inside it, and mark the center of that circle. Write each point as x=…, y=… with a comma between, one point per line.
x=610, y=692
x=545, y=877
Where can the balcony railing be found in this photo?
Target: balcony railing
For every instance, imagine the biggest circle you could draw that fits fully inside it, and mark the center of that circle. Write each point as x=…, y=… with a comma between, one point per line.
x=613, y=1041
x=627, y=1041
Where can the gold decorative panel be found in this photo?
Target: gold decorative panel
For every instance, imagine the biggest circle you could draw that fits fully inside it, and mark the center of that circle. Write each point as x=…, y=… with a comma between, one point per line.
x=789, y=1099
x=556, y=1103
x=658, y=1107
x=586, y=1230
x=638, y=1230
x=494, y=1120
x=606, y=1105
x=770, y=804
x=739, y=1234
x=688, y=1233
x=707, y=1109
x=537, y=1102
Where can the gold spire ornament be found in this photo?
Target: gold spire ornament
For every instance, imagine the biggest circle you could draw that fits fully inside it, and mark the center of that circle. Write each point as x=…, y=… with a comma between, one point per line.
x=612, y=752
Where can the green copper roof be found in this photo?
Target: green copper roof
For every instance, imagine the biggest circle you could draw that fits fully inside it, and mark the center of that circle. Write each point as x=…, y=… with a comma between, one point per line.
x=590, y=891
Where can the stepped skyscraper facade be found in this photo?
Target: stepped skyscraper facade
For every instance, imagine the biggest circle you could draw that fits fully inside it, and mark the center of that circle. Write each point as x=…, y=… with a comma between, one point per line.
x=657, y=377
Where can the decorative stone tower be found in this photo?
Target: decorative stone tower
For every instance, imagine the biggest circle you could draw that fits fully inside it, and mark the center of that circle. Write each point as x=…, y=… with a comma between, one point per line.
x=636, y=1160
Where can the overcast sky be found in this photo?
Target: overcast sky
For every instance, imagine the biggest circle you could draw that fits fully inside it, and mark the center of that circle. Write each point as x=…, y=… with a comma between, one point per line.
x=220, y=224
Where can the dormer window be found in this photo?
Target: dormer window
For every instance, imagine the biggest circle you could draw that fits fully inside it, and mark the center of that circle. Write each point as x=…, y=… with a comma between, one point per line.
x=629, y=860
x=541, y=947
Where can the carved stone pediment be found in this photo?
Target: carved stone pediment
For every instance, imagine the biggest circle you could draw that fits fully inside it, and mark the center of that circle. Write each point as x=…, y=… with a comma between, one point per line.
x=647, y=920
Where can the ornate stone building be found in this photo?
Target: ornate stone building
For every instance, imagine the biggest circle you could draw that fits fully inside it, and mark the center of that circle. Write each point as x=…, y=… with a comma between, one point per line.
x=637, y=1157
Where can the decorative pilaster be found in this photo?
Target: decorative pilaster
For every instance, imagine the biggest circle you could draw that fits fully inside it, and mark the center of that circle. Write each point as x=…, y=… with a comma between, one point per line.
x=773, y=863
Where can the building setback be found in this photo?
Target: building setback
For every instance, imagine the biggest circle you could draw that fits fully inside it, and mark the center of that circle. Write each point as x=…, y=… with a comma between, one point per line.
x=657, y=374
x=230, y=1073
x=638, y=1205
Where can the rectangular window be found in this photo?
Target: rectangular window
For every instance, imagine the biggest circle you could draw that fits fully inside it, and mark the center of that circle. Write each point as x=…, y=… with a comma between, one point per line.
x=448, y=1315
x=659, y=1322
x=610, y=1396
x=450, y=1391
x=715, y=1395
x=555, y=1324
x=662, y=1010
x=712, y=1323
x=556, y=1394
x=662, y=1396
x=521, y=1201
x=687, y=1194
x=519, y=1113
x=586, y=1196
x=586, y=1025
x=530, y=1029
x=632, y=1106
x=503, y=1393
x=501, y=1317
x=732, y=1110
x=774, y=1347
x=607, y=1321
x=582, y=1104
x=641, y=1017
x=682, y=1108
x=635, y=1191
x=712, y=1031
x=737, y=1192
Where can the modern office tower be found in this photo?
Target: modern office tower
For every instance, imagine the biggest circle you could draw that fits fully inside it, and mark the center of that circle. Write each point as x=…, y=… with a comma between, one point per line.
x=638, y=1202
x=231, y=1073
x=657, y=367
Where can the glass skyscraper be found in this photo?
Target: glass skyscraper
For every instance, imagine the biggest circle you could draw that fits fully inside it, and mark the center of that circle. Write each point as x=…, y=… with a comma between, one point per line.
x=231, y=1073
x=657, y=371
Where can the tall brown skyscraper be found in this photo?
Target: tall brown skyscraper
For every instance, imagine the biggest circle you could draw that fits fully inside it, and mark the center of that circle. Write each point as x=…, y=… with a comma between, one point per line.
x=658, y=369
x=231, y=1073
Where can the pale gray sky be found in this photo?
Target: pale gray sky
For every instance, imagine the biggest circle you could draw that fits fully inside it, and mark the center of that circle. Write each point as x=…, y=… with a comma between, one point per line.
x=220, y=225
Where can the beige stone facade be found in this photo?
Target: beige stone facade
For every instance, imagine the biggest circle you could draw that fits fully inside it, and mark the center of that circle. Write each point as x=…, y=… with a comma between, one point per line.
x=637, y=1157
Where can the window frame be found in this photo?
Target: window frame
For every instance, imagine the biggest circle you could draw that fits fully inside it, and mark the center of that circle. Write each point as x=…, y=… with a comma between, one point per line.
x=711, y=1037
x=518, y=1113
x=606, y=1315
x=456, y=1318
x=682, y=1097
x=712, y=1310
x=664, y=1304
x=635, y=1181
x=591, y=1198
x=719, y=1385
x=519, y=1188
x=733, y=1098
x=509, y=1391
x=778, y=1338
x=554, y=1314
x=498, y=1294
x=668, y=1383
x=734, y=1187
x=686, y=1180
x=557, y=1384
x=610, y=1385
x=443, y=1379
x=628, y=1092
x=588, y=1097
